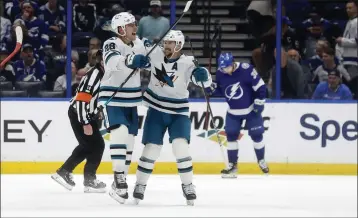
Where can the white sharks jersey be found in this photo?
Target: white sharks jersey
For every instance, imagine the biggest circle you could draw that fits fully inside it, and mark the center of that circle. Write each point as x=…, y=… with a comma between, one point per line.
x=159, y=94
x=116, y=71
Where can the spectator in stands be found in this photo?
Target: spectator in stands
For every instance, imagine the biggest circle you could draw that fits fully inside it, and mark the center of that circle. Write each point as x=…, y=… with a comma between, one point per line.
x=75, y=57
x=330, y=64
x=103, y=30
x=11, y=42
x=57, y=56
x=154, y=25
x=294, y=55
x=56, y=59
x=95, y=43
x=37, y=29
x=263, y=57
x=315, y=28
x=80, y=73
x=349, y=42
x=292, y=78
x=316, y=60
x=333, y=89
x=54, y=16
x=138, y=8
x=260, y=16
x=5, y=27
x=13, y=8
x=61, y=82
x=91, y=59
x=7, y=73
x=84, y=16
x=29, y=68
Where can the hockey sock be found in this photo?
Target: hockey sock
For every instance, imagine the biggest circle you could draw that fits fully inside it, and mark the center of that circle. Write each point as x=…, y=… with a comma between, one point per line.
x=259, y=150
x=184, y=160
x=233, y=151
x=146, y=162
x=129, y=153
x=118, y=148
x=259, y=146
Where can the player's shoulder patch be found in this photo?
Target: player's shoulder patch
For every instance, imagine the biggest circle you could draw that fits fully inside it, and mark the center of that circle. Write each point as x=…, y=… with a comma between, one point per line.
x=245, y=66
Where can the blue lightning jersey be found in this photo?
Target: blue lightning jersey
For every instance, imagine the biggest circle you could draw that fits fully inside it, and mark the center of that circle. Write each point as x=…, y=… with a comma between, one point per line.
x=35, y=72
x=37, y=33
x=241, y=88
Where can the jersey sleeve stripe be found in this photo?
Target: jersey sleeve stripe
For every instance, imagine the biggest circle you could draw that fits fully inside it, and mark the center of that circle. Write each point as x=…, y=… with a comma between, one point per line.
x=112, y=54
x=258, y=85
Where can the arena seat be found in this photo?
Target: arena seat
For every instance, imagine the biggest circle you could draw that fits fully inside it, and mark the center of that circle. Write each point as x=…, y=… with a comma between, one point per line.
x=13, y=93
x=31, y=87
x=50, y=94
x=6, y=85
x=81, y=39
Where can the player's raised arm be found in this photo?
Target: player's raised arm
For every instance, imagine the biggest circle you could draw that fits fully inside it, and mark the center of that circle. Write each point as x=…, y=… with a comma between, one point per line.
x=200, y=75
x=115, y=56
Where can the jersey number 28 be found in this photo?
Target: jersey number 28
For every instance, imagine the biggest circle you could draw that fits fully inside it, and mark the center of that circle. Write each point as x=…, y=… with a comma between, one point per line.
x=109, y=47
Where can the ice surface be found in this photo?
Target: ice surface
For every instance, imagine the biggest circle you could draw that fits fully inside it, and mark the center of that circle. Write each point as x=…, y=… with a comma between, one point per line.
x=256, y=195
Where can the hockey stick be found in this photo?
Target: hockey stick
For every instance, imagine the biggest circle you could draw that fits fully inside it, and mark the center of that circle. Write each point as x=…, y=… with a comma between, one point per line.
x=223, y=149
x=206, y=123
x=19, y=36
x=100, y=108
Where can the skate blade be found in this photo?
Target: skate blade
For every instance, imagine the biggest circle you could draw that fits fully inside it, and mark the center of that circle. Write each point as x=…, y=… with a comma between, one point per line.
x=60, y=181
x=116, y=197
x=229, y=176
x=94, y=190
x=190, y=202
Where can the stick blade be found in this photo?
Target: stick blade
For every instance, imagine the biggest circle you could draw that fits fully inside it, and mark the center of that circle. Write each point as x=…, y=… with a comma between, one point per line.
x=187, y=6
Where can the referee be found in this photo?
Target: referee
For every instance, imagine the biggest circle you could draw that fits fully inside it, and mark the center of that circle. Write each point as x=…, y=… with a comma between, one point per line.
x=91, y=144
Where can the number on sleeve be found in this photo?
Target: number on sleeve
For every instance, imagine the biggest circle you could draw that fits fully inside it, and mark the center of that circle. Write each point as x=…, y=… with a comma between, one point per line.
x=254, y=73
x=109, y=47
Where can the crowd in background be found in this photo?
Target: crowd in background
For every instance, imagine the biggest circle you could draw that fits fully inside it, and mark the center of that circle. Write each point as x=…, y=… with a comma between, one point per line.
x=316, y=45
x=319, y=47
x=43, y=55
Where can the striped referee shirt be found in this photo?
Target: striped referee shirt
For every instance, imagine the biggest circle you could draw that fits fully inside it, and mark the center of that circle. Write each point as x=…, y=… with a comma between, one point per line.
x=85, y=100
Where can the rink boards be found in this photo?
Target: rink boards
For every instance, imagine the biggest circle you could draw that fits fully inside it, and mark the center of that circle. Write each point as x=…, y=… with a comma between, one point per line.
x=301, y=138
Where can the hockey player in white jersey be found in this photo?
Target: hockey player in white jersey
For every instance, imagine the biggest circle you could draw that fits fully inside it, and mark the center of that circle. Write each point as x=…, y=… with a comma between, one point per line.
x=167, y=99
x=121, y=55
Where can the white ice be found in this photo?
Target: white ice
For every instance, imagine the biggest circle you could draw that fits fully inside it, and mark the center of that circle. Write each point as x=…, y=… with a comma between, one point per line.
x=248, y=195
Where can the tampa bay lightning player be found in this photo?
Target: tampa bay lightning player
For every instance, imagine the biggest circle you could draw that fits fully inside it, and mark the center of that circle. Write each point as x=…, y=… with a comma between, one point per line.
x=245, y=93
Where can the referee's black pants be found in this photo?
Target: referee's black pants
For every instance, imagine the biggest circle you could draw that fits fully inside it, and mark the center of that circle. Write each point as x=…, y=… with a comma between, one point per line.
x=90, y=147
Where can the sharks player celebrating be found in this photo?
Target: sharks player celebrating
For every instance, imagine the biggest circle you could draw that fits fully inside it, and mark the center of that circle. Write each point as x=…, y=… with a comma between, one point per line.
x=167, y=99
x=245, y=93
x=121, y=55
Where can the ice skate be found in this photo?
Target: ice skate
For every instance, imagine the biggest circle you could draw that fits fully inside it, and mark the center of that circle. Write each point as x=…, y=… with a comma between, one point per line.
x=93, y=185
x=263, y=166
x=231, y=172
x=119, y=188
x=64, y=178
x=189, y=193
x=138, y=193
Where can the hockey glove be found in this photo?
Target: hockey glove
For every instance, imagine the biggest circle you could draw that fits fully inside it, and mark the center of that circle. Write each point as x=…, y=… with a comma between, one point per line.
x=210, y=90
x=259, y=105
x=137, y=61
x=200, y=74
x=147, y=42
